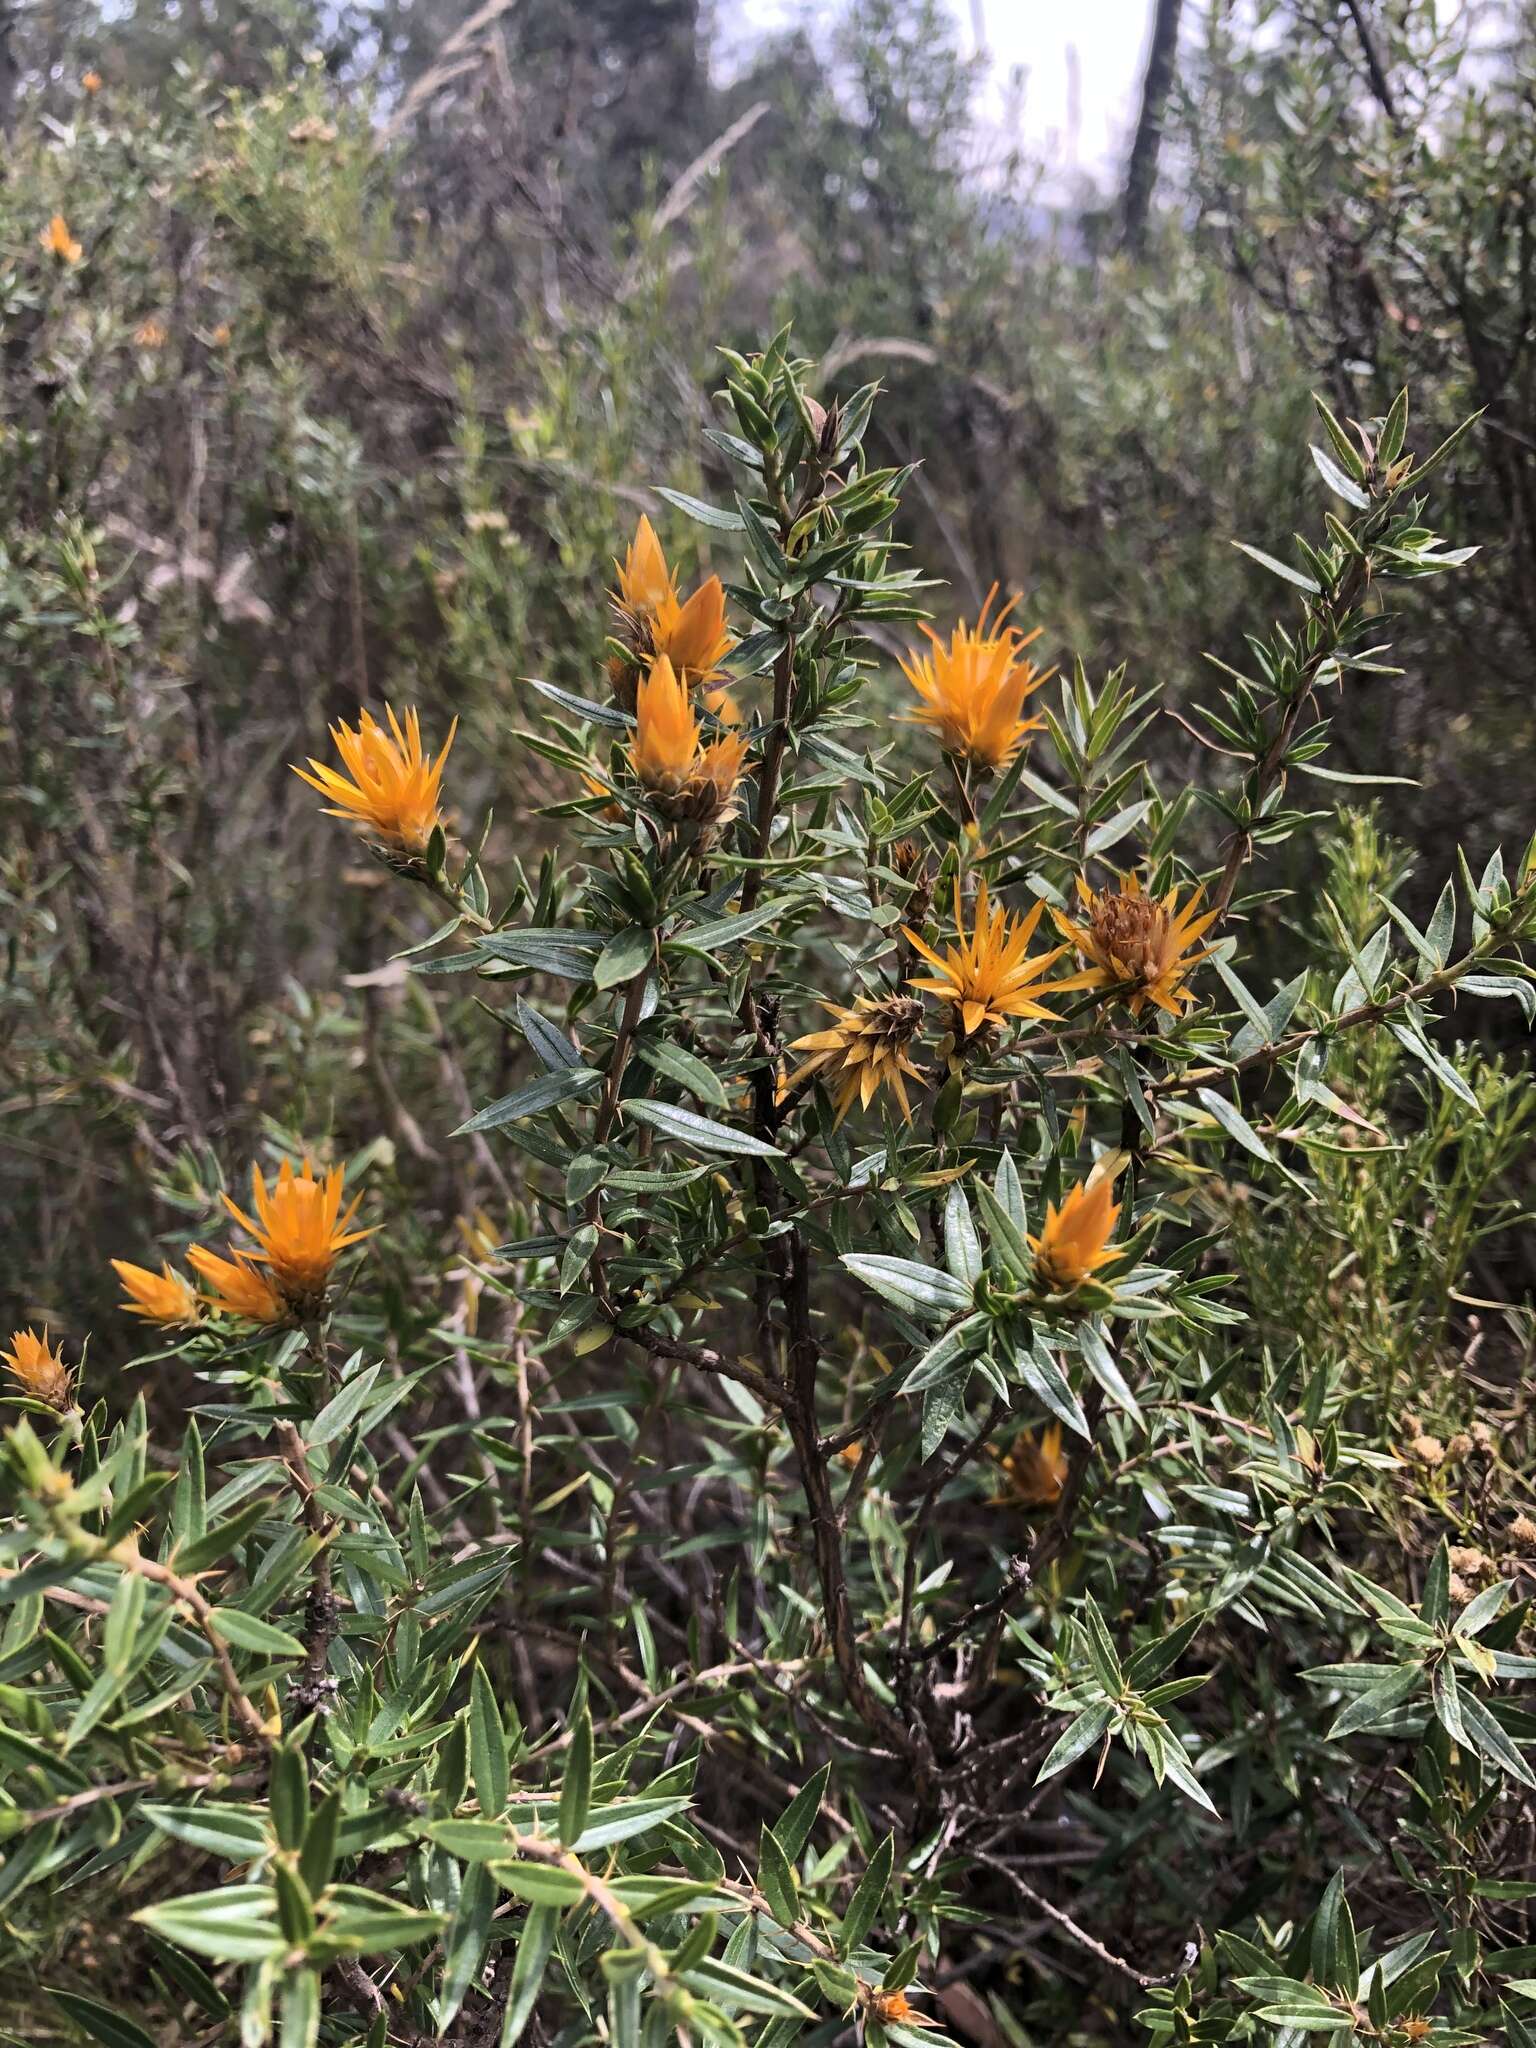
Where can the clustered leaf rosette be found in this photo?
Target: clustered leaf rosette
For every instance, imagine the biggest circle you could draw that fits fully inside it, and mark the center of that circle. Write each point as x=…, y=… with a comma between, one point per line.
x=1014, y=1308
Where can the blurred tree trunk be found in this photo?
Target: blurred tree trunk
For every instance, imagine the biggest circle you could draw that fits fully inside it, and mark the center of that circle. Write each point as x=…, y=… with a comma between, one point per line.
x=8, y=66
x=1141, y=172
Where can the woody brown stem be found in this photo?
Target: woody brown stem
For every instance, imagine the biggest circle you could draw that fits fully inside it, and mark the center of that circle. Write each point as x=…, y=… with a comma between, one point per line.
x=314, y=1688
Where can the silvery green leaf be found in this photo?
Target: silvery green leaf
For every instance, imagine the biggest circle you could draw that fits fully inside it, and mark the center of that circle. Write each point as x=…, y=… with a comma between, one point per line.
x=686, y=1127
x=908, y=1284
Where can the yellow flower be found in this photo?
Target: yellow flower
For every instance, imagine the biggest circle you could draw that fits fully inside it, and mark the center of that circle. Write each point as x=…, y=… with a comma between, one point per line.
x=865, y=1050
x=393, y=792
x=90, y=82
x=299, y=1228
x=163, y=1297
x=1138, y=944
x=58, y=241
x=654, y=621
x=974, y=689
x=151, y=333
x=666, y=740
x=236, y=1287
x=1034, y=1473
x=1074, y=1239
x=990, y=974
x=38, y=1368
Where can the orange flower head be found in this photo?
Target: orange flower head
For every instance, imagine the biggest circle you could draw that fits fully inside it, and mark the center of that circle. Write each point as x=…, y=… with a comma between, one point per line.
x=1034, y=1473
x=299, y=1228
x=58, y=241
x=864, y=1051
x=693, y=636
x=1074, y=1240
x=712, y=787
x=891, y=2008
x=90, y=82
x=1140, y=946
x=163, y=1297
x=392, y=796
x=38, y=1368
x=645, y=581
x=989, y=974
x=666, y=741
x=151, y=333
x=653, y=620
x=236, y=1287
x=973, y=691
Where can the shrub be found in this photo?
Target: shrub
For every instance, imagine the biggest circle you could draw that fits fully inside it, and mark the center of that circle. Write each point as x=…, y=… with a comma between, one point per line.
x=968, y=1470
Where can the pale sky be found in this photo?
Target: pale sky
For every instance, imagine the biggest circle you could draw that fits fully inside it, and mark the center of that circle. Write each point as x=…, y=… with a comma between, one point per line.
x=1081, y=70
x=1079, y=62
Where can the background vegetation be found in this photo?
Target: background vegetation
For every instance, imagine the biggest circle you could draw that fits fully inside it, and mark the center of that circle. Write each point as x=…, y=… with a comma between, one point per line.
x=365, y=336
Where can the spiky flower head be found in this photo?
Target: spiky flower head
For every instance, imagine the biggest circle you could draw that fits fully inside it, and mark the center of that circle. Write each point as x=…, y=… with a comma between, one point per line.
x=391, y=789
x=989, y=974
x=38, y=1368
x=653, y=621
x=864, y=1051
x=1142, y=946
x=666, y=741
x=693, y=635
x=687, y=778
x=163, y=1297
x=645, y=581
x=973, y=691
x=1074, y=1240
x=1034, y=1474
x=891, y=2008
x=236, y=1287
x=299, y=1228
x=712, y=789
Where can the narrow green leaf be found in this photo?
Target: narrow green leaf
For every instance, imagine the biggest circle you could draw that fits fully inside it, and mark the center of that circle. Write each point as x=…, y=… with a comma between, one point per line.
x=686, y=1127
x=538, y=1939
x=576, y=1786
x=532, y=1099
x=864, y=1906
x=488, y=1765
